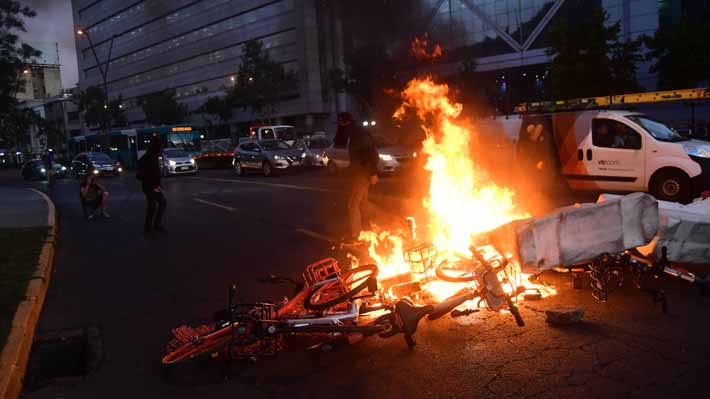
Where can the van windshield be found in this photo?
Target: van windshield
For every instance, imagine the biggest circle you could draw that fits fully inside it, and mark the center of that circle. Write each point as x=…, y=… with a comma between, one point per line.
x=658, y=130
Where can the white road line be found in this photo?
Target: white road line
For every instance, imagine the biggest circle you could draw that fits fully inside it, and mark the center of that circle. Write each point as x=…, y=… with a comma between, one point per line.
x=260, y=183
x=313, y=234
x=226, y=208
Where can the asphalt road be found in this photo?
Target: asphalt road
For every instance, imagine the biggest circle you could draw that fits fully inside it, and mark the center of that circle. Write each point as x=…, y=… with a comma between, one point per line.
x=224, y=229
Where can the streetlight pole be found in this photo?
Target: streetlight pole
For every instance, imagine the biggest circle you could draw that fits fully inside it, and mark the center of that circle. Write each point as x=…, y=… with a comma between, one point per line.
x=104, y=77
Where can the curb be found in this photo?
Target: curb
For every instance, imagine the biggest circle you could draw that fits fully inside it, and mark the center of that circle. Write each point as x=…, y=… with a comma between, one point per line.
x=14, y=357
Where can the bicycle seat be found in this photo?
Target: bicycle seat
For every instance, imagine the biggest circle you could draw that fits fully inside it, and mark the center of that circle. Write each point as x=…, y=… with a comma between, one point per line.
x=409, y=316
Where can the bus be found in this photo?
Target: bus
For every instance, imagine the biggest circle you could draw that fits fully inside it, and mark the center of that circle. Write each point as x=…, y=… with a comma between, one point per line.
x=128, y=145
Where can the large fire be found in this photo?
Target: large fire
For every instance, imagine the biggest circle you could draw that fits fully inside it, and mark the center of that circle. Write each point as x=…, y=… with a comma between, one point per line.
x=462, y=201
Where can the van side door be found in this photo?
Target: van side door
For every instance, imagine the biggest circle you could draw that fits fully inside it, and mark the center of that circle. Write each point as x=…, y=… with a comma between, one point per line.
x=613, y=156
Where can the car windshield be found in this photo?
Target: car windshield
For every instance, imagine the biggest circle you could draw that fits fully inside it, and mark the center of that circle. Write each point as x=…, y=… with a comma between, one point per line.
x=318, y=143
x=657, y=129
x=271, y=145
x=381, y=142
x=175, y=153
x=99, y=157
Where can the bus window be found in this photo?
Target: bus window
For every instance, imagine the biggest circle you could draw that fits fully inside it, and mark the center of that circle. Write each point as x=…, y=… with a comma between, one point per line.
x=190, y=142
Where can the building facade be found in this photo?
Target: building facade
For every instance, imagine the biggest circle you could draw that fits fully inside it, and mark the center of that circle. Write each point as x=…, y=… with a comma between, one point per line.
x=194, y=47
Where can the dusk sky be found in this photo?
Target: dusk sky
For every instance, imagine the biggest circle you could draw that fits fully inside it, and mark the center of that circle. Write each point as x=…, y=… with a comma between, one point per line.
x=54, y=23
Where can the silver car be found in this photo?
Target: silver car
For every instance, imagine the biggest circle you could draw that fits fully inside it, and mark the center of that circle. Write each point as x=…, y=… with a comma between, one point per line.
x=269, y=156
x=315, y=148
x=392, y=157
x=176, y=161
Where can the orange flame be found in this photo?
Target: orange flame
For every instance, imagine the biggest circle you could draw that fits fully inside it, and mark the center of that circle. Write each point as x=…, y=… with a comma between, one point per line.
x=419, y=49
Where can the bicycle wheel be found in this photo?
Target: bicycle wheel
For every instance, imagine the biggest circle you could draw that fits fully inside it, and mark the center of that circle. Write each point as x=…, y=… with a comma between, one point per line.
x=360, y=277
x=201, y=347
x=456, y=271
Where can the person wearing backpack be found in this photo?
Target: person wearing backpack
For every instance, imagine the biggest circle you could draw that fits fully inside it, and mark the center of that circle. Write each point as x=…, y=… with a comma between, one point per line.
x=149, y=174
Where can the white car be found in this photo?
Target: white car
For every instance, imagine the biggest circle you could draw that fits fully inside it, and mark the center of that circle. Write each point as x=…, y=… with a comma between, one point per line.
x=392, y=157
x=176, y=161
x=315, y=148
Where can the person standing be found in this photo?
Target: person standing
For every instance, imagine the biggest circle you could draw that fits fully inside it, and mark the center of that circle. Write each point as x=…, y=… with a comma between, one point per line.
x=363, y=170
x=149, y=174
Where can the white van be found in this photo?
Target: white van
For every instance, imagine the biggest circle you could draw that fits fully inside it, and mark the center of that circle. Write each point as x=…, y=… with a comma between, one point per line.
x=276, y=132
x=608, y=150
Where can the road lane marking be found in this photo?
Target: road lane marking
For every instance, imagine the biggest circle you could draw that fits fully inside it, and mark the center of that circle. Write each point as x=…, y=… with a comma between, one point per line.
x=278, y=185
x=225, y=207
x=314, y=234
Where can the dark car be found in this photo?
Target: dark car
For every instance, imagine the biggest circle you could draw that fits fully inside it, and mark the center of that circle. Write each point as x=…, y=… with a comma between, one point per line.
x=268, y=156
x=99, y=162
x=34, y=170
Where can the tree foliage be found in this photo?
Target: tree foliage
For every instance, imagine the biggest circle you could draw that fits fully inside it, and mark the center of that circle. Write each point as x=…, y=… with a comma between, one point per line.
x=680, y=53
x=590, y=59
x=14, y=58
x=162, y=108
x=91, y=105
x=261, y=83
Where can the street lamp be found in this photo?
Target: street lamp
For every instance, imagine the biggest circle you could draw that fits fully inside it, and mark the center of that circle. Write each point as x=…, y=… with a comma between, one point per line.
x=102, y=70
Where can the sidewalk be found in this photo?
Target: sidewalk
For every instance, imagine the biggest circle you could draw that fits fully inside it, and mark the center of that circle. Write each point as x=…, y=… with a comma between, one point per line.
x=27, y=236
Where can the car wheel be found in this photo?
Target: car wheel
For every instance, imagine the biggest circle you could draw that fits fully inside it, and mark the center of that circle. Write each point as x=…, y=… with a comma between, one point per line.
x=671, y=185
x=267, y=169
x=332, y=168
x=237, y=168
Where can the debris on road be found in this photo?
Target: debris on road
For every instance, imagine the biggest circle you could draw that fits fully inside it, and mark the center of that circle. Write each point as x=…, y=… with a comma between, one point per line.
x=563, y=316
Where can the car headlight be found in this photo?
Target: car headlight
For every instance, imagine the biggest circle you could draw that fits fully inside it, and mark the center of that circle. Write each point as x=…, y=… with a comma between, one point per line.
x=172, y=163
x=386, y=157
x=303, y=155
x=696, y=151
x=96, y=171
x=192, y=161
x=414, y=155
x=277, y=157
x=43, y=170
x=120, y=169
x=64, y=168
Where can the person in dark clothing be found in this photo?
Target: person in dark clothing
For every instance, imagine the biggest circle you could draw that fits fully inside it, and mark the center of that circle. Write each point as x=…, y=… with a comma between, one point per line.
x=363, y=170
x=149, y=174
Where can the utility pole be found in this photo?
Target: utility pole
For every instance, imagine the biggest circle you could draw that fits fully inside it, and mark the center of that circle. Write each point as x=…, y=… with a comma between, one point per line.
x=106, y=120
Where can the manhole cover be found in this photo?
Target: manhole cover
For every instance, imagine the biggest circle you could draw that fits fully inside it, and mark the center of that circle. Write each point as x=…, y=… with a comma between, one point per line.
x=63, y=356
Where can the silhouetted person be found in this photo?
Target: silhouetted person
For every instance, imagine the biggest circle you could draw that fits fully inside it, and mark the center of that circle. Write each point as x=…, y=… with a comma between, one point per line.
x=149, y=174
x=363, y=170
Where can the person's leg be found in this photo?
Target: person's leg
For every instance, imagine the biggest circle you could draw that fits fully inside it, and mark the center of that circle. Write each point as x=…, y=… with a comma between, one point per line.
x=104, y=204
x=357, y=193
x=162, y=204
x=150, y=212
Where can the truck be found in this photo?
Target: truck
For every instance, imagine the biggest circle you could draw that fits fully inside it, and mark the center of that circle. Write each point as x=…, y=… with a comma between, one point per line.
x=602, y=149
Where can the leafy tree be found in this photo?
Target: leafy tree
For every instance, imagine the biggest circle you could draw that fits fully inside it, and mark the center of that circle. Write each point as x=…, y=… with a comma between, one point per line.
x=680, y=53
x=370, y=70
x=590, y=59
x=92, y=103
x=162, y=108
x=218, y=107
x=14, y=58
x=261, y=83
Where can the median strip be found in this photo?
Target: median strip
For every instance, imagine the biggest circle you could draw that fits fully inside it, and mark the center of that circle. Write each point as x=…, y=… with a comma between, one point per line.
x=225, y=207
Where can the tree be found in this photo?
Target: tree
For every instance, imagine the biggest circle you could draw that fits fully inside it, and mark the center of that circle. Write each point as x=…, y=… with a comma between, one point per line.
x=162, y=108
x=590, y=59
x=91, y=105
x=370, y=70
x=218, y=107
x=14, y=58
x=680, y=53
x=261, y=83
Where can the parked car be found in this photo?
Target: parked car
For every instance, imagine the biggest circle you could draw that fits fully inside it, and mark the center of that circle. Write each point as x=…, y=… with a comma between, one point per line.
x=269, y=156
x=315, y=148
x=392, y=156
x=33, y=170
x=99, y=162
x=177, y=161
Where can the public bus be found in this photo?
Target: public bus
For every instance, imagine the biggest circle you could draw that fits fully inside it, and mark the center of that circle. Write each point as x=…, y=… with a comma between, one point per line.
x=128, y=145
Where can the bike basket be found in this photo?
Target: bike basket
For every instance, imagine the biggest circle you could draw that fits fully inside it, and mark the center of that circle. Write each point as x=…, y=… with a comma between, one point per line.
x=322, y=270
x=421, y=257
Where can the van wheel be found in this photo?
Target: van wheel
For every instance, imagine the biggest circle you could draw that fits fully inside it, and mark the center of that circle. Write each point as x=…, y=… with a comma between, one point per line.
x=332, y=168
x=671, y=185
x=266, y=169
x=238, y=168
